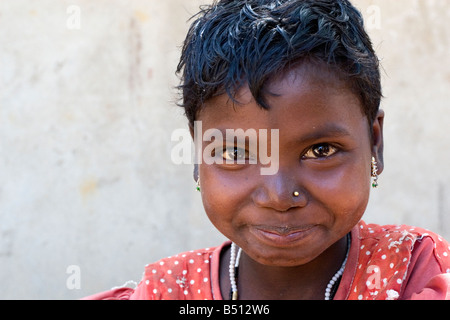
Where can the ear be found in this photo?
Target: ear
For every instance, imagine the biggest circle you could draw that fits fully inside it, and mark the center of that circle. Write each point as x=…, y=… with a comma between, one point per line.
x=195, y=173
x=377, y=140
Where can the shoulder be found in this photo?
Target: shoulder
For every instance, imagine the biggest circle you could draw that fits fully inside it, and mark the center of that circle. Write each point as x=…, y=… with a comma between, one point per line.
x=388, y=255
x=395, y=239
x=186, y=275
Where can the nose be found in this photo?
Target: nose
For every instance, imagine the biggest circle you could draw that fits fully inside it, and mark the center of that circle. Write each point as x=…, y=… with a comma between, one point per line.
x=280, y=192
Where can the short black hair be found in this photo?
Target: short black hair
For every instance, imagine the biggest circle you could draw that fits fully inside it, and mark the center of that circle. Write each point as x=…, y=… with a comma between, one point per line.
x=232, y=43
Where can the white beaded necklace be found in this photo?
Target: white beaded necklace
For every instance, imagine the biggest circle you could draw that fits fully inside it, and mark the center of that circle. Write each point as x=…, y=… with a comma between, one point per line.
x=234, y=264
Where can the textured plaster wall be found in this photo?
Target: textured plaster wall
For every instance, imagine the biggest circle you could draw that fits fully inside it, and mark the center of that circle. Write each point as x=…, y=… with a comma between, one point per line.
x=88, y=191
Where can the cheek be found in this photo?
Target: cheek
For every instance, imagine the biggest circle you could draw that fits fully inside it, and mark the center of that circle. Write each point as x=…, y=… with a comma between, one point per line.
x=344, y=192
x=223, y=195
x=216, y=208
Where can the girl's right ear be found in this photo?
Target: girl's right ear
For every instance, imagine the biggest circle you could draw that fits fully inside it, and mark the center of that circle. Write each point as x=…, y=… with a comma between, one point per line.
x=195, y=173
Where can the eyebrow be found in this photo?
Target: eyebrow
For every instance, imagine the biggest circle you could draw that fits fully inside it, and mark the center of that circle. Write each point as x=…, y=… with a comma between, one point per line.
x=327, y=131
x=237, y=134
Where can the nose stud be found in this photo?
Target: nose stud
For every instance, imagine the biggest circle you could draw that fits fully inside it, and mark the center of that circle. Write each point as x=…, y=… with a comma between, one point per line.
x=296, y=194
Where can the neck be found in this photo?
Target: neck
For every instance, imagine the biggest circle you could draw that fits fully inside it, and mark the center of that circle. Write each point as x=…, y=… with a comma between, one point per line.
x=256, y=281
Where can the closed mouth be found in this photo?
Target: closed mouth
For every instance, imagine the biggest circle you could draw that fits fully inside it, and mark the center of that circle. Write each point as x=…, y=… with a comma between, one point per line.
x=282, y=235
x=284, y=230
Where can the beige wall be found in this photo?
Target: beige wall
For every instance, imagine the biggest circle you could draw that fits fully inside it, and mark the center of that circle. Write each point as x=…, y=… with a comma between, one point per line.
x=87, y=108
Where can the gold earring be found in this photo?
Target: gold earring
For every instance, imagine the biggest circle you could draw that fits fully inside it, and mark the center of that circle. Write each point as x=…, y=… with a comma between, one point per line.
x=296, y=194
x=374, y=173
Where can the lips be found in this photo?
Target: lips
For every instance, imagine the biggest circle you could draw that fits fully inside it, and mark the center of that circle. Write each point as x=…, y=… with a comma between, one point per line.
x=282, y=236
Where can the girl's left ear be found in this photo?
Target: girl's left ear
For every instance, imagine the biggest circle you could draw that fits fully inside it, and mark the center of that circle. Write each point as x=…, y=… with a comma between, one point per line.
x=377, y=140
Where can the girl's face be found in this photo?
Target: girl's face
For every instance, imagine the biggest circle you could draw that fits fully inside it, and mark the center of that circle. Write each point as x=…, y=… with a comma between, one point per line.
x=325, y=150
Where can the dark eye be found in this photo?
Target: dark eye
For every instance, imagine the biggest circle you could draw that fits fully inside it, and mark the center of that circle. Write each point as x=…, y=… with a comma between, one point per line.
x=234, y=154
x=321, y=150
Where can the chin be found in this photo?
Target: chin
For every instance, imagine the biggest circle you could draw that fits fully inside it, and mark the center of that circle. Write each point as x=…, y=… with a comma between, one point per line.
x=276, y=257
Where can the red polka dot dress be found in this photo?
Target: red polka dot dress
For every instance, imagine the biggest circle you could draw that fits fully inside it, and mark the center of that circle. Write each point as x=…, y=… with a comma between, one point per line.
x=384, y=262
x=185, y=276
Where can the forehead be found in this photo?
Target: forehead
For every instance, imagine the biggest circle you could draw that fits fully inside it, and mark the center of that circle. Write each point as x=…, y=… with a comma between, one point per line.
x=307, y=76
x=302, y=97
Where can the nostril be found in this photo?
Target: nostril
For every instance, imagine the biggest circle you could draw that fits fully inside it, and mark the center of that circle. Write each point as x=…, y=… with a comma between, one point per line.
x=279, y=201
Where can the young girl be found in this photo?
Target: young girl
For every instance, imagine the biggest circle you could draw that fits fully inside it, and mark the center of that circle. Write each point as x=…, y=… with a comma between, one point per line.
x=306, y=70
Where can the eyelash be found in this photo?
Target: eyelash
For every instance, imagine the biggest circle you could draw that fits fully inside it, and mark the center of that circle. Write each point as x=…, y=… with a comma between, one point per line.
x=312, y=153
x=234, y=150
